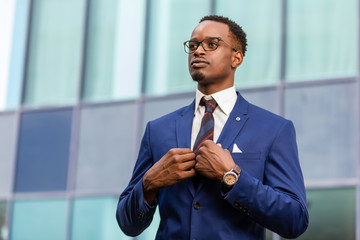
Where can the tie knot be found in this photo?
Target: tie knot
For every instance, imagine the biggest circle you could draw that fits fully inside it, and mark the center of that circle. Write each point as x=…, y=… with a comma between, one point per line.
x=210, y=104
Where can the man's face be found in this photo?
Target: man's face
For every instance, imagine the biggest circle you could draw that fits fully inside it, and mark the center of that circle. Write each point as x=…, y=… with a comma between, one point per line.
x=211, y=67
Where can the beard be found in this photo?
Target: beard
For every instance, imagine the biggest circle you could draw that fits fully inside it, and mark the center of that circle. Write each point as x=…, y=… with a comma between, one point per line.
x=197, y=76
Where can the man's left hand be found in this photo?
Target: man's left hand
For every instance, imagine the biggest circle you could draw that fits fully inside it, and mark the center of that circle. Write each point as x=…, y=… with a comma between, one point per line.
x=212, y=161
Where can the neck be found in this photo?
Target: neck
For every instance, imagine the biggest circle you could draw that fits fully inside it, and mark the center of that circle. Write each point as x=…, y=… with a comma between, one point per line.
x=211, y=89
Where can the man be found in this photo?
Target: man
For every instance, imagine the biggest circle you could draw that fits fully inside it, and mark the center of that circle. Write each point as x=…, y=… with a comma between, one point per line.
x=249, y=180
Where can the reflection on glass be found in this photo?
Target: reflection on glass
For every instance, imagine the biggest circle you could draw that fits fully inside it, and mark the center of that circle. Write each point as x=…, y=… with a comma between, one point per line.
x=106, y=153
x=18, y=52
x=39, y=219
x=7, y=10
x=114, y=49
x=43, y=151
x=94, y=219
x=332, y=214
x=171, y=24
x=318, y=43
x=326, y=126
x=261, y=21
x=54, y=61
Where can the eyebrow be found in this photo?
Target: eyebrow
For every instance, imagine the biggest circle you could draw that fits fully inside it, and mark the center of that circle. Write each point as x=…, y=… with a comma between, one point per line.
x=194, y=39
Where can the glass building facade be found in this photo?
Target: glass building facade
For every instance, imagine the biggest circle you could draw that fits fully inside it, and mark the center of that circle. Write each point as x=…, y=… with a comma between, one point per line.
x=79, y=79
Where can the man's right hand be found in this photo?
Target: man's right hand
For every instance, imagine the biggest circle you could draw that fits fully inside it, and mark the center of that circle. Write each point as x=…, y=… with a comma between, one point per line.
x=176, y=165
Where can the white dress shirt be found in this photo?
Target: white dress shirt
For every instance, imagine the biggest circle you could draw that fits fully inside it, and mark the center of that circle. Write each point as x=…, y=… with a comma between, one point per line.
x=225, y=99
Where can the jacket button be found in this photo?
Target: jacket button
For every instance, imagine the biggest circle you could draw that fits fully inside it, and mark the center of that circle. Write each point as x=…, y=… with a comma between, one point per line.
x=196, y=205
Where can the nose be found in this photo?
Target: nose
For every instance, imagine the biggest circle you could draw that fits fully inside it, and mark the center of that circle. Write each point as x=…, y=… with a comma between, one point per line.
x=200, y=50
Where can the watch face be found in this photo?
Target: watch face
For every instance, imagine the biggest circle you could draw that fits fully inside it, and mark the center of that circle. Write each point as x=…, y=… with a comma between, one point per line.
x=230, y=179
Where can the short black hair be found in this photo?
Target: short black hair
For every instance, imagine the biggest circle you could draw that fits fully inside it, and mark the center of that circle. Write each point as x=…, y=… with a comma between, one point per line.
x=237, y=32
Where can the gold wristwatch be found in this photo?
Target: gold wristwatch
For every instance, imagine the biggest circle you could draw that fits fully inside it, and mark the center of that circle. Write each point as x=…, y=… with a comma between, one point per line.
x=231, y=177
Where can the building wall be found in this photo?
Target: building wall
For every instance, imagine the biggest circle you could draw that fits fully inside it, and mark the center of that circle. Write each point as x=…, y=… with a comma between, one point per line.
x=79, y=79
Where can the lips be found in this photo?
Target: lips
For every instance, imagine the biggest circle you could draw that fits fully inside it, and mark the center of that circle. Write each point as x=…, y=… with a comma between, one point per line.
x=199, y=63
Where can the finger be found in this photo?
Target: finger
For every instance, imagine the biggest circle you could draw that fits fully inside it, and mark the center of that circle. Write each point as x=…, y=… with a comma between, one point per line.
x=219, y=144
x=198, y=168
x=187, y=157
x=188, y=165
x=208, y=143
x=177, y=151
x=199, y=158
x=203, y=150
x=188, y=174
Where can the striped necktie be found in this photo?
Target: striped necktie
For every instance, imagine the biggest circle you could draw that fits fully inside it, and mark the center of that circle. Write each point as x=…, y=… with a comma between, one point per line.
x=206, y=130
x=207, y=124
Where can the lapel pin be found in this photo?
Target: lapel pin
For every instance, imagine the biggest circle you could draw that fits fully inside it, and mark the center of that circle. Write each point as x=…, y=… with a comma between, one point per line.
x=237, y=118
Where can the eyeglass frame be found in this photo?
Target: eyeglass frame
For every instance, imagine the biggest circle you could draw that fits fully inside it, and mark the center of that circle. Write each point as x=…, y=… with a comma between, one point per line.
x=201, y=42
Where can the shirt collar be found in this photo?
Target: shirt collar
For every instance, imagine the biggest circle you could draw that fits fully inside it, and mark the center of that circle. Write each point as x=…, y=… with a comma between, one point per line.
x=225, y=99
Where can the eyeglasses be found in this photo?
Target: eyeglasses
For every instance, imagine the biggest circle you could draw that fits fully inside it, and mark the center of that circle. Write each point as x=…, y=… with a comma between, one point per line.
x=208, y=44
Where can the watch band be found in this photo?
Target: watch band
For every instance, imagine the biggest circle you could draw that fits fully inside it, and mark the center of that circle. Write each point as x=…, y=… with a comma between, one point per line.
x=237, y=170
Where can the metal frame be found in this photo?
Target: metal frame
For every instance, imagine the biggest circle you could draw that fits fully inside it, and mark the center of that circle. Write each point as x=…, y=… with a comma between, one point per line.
x=70, y=193
x=18, y=113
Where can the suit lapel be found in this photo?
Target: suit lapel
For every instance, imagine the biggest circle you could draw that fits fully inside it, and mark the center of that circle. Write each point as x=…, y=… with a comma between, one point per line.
x=183, y=136
x=184, y=126
x=235, y=122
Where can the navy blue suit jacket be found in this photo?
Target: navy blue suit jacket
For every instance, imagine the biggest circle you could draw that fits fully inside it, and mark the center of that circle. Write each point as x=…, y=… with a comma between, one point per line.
x=269, y=193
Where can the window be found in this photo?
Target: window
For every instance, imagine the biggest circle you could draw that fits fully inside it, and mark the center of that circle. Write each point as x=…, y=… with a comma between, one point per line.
x=106, y=153
x=167, y=67
x=322, y=39
x=55, y=50
x=39, y=219
x=332, y=214
x=261, y=21
x=43, y=151
x=326, y=126
x=94, y=219
x=114, y=53
x=7, y=152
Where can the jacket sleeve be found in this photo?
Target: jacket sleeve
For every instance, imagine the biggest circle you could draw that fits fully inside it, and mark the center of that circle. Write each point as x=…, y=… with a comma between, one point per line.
x=133, y=214
x=279, y=201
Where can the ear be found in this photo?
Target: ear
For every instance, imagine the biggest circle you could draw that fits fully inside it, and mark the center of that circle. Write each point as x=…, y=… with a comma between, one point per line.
x=237, y=59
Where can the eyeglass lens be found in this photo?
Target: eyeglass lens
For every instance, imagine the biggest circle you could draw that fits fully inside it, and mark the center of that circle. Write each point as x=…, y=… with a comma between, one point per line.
x=209, y=44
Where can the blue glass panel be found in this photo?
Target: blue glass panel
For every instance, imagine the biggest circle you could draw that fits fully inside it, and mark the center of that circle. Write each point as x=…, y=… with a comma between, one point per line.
x=327, y=129
x=106, y=147
x=94, y=219
x=159, y=107
x=39, y=220
x=266, y=99
x=43, y=153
